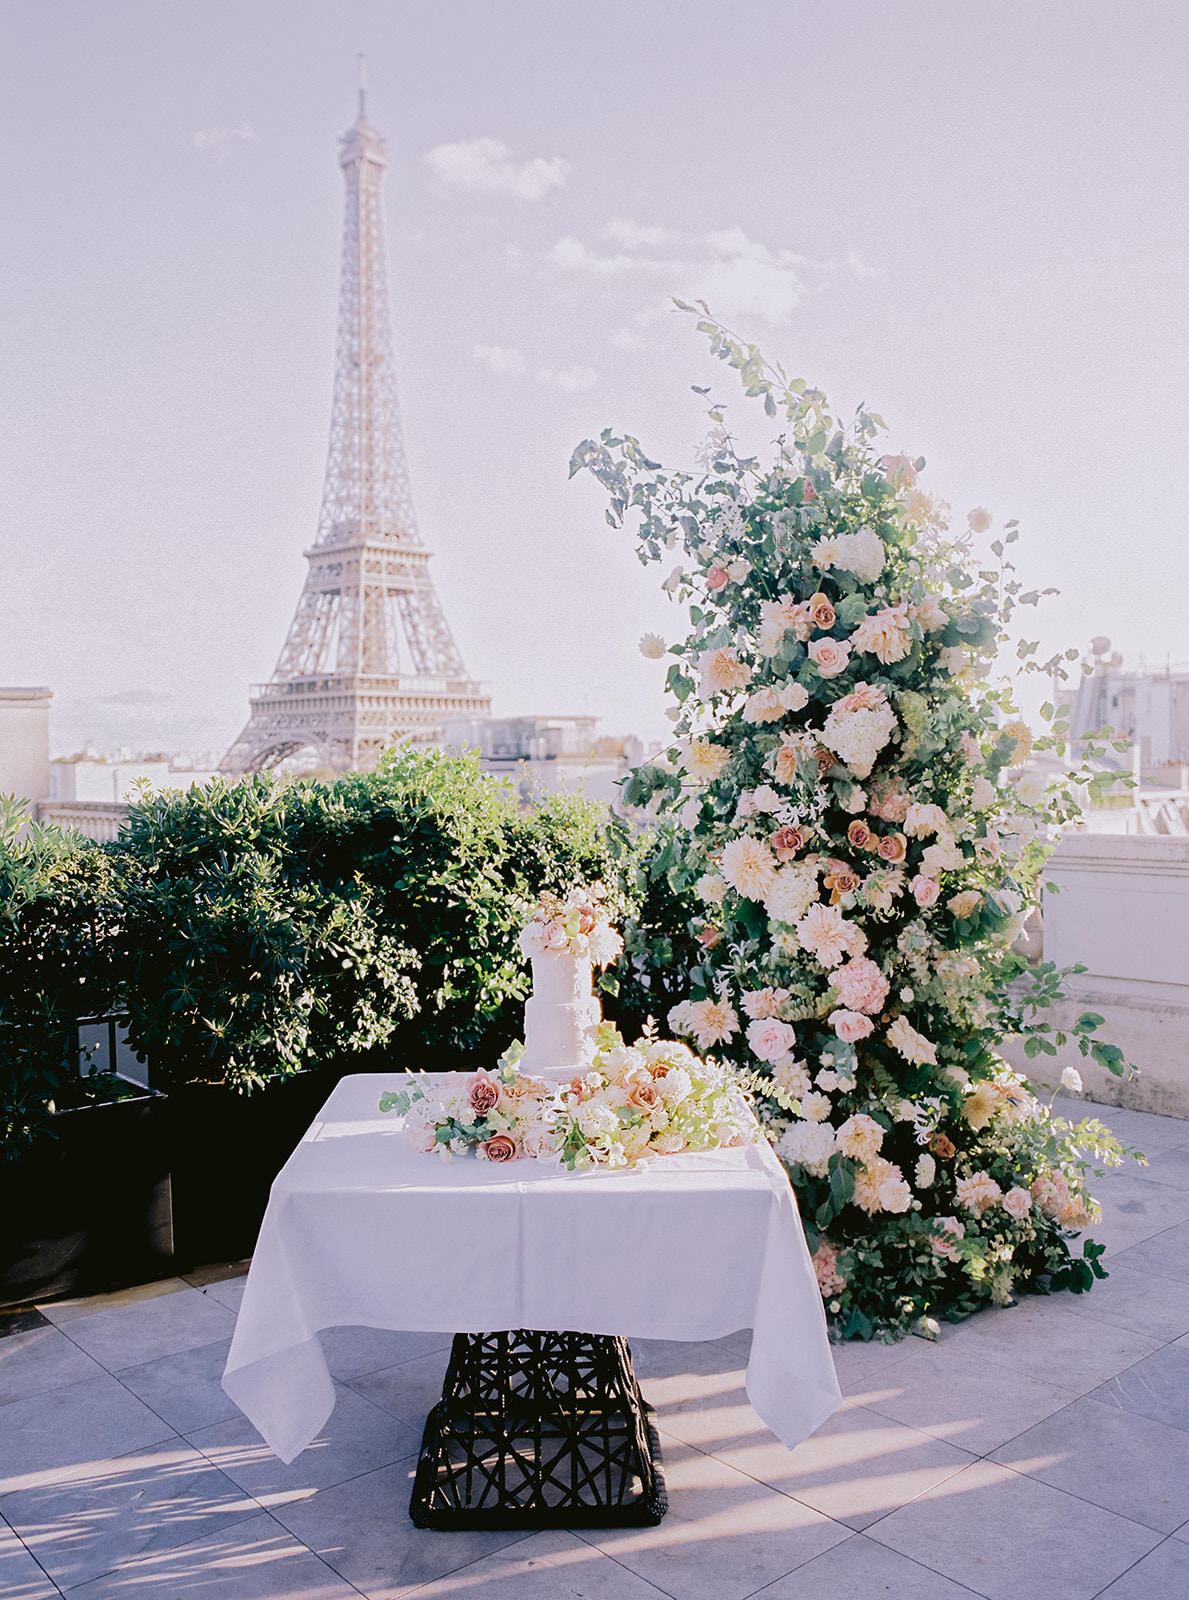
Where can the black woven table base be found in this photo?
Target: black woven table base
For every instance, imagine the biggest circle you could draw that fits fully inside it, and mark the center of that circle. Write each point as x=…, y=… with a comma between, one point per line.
x=539, y=1430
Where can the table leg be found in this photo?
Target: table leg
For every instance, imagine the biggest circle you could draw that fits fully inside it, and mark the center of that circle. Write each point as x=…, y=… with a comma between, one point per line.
x=539, y=1430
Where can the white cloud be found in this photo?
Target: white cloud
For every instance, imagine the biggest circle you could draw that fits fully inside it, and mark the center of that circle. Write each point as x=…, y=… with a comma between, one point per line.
x=485, y=166
x=571, y=379
x=223, y=142
x=637, y=235
x=498, y=359
x=735, y=274
x=625, y=339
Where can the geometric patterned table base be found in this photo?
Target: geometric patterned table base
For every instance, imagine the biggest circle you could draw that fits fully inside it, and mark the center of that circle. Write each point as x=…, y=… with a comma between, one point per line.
x=539, y=1430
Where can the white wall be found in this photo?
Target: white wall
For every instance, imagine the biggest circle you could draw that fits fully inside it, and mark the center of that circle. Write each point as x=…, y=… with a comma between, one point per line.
x=25, y=742
x=1122, y=910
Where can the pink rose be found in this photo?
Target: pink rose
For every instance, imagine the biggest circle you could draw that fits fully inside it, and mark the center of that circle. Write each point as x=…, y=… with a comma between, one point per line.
x=482, y=1094
x=787, y=841
x=831, y=657
x=851, y=1026
x=925, y=891
x=1017, y=1203
x=498, y=1148
x=893, y=847
x=717, y=578
x=945, y=1241
x=770, y=1039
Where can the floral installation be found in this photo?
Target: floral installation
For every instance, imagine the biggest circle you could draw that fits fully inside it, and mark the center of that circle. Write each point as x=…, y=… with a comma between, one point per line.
x=845, y=796
x=576, y=923
x=653, y=1098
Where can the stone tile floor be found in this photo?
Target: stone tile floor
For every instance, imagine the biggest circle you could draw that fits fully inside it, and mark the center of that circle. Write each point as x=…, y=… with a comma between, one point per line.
x=1039, y=1452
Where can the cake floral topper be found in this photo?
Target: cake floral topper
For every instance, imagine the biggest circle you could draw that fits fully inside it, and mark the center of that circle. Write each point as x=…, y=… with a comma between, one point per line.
x=576, y=923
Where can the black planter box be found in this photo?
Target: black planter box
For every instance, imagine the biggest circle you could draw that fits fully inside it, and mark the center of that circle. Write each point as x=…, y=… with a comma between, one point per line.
x=225, y=1151
x=89, y=1209
x=143, y=1188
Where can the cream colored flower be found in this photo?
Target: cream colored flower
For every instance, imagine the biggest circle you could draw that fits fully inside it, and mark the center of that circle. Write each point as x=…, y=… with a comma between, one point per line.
x=759, y=1003
x=978, y=1193
x=913, y=1046
x=978, y=520
x=1021, y=735
x=791, y=893
x=860, y=1137
x=1017, y=1203
x=704, y=759
x=652, y=646
x=711, y=1022
x=794, y=697
x=983, y=794
x=722, y=671
x=981, y=1105
x=792, y=1077
x=814, y=1106
x=765, y=705
x=712, y=887
x=749, y=866
x=926, y=1171
x=930, y=614
x=825, y=933
x=964, y=904
x=922, y=820
x=1030, y=788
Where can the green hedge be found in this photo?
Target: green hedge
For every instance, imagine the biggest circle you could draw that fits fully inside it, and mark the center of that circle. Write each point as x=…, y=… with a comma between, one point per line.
x=257, y=928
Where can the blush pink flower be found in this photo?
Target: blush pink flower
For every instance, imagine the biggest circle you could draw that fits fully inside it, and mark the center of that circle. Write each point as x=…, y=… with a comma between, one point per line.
x=944, y=1241
x=717, y=578
x=770, y=1039
x=722, y=671
x=831, y=657
x=925, y=891
x=861, y=985
x=851, y=1026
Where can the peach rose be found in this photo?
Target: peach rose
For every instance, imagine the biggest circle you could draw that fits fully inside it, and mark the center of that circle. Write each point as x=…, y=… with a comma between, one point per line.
x=645, y=1096
x=821, y=611
x=851, y=1026
x=498, y=1148
x=893, y=847
x=944, y=1149
x=841, y=879
x=709, y=936
x=860, y=835
x=890, y=805
x=925, y=891
x=482, y=1094
x=717, y=578
x=825, y=759
x=831, y=657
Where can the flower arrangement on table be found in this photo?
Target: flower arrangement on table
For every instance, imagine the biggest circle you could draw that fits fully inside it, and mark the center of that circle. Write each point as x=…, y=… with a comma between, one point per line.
x=577, y=923
x=653, y=1098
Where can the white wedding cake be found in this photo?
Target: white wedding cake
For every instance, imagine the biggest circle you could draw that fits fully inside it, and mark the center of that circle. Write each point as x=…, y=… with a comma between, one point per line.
x=566, y=939
x=561, y=1017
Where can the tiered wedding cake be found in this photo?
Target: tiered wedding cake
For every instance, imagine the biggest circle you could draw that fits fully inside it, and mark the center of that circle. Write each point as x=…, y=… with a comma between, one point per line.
x=566, y=939
x=561, y=1017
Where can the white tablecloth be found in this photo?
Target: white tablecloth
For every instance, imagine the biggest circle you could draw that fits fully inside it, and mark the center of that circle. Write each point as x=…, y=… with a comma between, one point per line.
x=362, y=1229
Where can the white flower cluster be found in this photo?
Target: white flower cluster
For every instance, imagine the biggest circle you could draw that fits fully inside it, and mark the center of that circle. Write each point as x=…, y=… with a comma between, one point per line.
x=861, y=553
x=858, y=736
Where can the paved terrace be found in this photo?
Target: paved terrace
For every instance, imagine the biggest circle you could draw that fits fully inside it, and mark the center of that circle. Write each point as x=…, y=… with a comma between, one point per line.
x=1034, y=1453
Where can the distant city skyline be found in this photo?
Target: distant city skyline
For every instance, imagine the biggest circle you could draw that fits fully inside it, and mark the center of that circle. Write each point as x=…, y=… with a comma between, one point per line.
x=976, y=223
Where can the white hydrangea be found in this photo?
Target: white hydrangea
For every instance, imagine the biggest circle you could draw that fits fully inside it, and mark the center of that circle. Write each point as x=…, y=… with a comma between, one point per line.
x=857, y=737
x=861, y=553
x=791, y=893
x=811, y=1144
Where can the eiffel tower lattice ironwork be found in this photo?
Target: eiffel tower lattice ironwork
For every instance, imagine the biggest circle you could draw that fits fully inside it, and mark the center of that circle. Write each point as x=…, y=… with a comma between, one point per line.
x=338, y=689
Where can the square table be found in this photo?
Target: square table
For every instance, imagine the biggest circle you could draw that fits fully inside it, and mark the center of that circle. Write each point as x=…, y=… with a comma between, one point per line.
x=361, y=1229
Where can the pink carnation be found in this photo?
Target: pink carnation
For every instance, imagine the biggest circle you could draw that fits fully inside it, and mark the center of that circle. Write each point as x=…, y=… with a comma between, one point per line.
x=861, y=985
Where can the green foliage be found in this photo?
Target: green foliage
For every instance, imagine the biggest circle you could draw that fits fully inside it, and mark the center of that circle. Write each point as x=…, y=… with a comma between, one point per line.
x=255, y=929
x=59, y=912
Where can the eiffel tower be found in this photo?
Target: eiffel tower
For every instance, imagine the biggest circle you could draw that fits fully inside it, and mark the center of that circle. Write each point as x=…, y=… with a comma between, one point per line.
x=338, y=689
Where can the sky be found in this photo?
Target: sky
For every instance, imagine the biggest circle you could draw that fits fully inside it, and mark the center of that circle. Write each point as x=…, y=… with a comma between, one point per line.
x=976, y=220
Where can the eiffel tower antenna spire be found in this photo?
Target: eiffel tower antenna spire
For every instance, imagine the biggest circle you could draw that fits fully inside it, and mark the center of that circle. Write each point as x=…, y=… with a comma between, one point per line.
x=339, y=689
